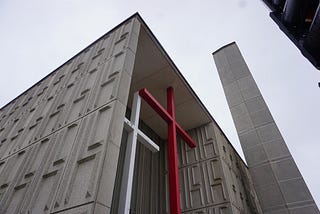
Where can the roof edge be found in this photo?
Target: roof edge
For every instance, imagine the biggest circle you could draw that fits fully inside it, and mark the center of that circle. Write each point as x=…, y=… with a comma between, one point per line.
x=136, y=14
x=166, y=55
x=219, y=49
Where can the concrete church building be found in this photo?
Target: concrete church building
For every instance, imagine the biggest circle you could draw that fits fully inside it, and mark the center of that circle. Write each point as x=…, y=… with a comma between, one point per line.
x=93, y=137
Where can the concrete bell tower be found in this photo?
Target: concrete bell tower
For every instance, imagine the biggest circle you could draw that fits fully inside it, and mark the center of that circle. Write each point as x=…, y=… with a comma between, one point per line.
x=279, y=185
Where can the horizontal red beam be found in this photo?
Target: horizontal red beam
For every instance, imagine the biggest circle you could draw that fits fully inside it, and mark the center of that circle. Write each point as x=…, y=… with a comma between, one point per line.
x=157, y=107
x=184, y=135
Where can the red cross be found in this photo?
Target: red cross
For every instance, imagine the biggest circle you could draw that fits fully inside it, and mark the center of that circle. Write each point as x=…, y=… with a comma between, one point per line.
x=173, y=128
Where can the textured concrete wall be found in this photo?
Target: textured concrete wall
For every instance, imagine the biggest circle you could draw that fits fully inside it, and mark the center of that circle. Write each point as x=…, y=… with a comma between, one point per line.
x=60, y=139
x=210, y=181
x=277, y=180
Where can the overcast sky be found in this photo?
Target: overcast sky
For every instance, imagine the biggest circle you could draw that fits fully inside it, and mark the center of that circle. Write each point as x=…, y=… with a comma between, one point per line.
x=38, y=36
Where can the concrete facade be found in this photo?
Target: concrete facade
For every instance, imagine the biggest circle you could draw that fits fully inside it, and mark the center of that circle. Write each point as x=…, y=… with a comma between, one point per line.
x=63, y=141
x=60, y=139
x=277, y=180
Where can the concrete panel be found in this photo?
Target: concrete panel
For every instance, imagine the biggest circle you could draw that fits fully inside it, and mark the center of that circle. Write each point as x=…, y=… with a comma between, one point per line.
x=255, y=104
x=82, y=173
x=294, y=191
x=36, y=184
x=228, y=77
x=278, y=211
x=276, y=149
x=285, y=169
x=248, y=87
x=260, y=118
x=310, y=209
x=270, y=197
x=261, y=175
x=239, y=110
x=202, y=185
x=244, y=123
x=106, y=186
x=256, y=156
x=237, y=66
x=269, y=132
x=242, y=69
x=249, y=139
x=100, y=209
x=235, y=97
x=206, y=146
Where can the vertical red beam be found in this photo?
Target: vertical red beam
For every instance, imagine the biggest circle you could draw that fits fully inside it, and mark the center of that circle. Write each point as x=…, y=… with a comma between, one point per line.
x=173, y=156
x=173, y=129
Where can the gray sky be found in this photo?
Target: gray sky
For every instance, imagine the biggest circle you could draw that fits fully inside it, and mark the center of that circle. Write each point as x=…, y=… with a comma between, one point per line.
x=37, y=36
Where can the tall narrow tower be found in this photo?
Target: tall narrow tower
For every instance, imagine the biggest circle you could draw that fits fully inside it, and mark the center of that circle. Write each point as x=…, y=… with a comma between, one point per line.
x=277, y=180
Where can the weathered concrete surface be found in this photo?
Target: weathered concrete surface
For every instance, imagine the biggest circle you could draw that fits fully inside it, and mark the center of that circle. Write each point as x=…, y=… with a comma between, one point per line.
x=60, y=140
x=277, y=180
x=213, y=177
